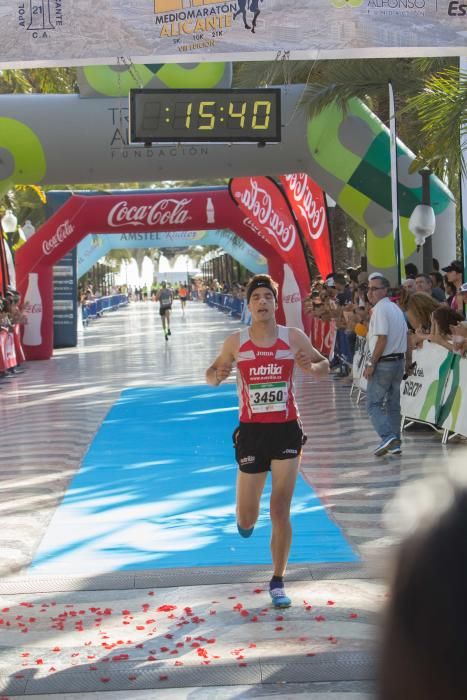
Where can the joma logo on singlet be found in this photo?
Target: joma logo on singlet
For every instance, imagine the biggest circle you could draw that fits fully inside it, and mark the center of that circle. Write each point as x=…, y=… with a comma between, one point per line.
x=265, y=369
x=266, y=353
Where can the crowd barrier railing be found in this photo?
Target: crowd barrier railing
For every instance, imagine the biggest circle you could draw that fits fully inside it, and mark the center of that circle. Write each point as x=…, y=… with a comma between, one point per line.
x=436, y=391
x=225, y=302
x=97, y=307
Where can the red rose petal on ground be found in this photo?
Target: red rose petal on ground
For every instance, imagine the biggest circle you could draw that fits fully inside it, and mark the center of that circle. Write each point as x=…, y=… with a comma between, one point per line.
x=39, y=662
x=311, y=653
x=140, y=627
x=254, y=618
x=26, y=653
x=163, y=678
x=243, y=664
x=231, y=597
x=166, y=608
x=178, y=663
x=252, y=646
x=258, y=590
x=320, y=618
x=279, y=618
x=244, y=613
x=278, y=629
x=330, y=602
x=151, y=658
x=353, y=616
x=131, y=678
x=104, y=680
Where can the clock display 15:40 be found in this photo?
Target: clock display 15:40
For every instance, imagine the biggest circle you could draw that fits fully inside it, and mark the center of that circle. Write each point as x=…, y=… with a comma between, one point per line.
x=207, y=115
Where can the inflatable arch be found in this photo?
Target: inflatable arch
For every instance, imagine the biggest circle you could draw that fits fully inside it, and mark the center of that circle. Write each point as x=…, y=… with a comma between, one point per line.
x=165, y=211
x=92, y=248
x=57, y=139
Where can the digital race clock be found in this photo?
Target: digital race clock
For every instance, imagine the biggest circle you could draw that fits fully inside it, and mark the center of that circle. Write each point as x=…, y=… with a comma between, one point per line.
x=205, y=115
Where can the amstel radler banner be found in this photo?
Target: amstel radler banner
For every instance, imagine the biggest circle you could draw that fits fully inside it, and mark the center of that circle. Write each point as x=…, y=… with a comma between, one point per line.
x=78, y=32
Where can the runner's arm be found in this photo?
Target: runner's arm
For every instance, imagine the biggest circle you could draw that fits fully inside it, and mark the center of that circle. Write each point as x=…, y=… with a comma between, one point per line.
x=306, y=356
x=222, y=365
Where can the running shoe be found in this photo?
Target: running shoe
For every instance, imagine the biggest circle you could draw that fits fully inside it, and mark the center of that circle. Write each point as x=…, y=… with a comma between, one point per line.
x=245, y=533
x=168, y=332
x=166, y=336
x=279, y=599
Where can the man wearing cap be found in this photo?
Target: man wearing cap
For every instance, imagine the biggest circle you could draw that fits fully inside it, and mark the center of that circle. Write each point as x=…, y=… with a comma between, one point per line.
x=270, y=435
x=454, y=273
x=387, y=342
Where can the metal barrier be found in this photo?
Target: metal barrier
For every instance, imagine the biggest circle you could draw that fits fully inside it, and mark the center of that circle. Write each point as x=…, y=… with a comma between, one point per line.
x=225, y=302
x=97, y=307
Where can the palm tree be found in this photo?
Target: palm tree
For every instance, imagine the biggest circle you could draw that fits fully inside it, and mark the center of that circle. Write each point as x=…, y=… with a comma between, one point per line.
x=432, y=92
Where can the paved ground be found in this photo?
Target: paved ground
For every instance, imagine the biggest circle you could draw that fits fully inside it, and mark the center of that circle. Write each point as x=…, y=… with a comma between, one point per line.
x=186, y=633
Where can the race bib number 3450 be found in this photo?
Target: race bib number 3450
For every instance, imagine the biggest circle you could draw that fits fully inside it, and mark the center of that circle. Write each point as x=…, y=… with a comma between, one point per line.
x=268, y=397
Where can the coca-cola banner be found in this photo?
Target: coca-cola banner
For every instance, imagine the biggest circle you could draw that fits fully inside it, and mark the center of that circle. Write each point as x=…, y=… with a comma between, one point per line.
x=166, y=210
x=308, y=203
x=261, y=200
x=78, y=32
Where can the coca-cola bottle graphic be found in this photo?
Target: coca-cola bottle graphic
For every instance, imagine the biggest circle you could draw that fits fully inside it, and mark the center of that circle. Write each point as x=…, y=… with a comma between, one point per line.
x=291, y=299
x=33, y=311
x=210, y=213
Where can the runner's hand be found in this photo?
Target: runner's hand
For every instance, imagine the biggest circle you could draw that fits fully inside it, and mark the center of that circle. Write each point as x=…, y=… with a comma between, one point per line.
x=303, y=360
x=222, y=372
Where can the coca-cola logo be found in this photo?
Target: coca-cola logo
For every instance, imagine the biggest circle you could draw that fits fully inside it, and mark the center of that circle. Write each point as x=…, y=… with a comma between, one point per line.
x=165, y=212
x=63, y=231
x=33, y=308
x=291, y=298
x=314, y=215
x=259, y=202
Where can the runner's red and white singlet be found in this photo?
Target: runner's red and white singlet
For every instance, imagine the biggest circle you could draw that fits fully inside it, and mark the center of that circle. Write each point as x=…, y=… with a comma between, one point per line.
x=265, y=380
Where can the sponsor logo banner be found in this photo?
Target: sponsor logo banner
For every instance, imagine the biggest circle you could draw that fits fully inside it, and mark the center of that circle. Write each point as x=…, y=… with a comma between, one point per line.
x=308, y=203
x=422, y=392
x=63, y=32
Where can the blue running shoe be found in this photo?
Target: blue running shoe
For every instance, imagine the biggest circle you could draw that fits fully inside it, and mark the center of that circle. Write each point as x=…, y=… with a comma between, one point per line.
x=245, y=533
x=279, y=599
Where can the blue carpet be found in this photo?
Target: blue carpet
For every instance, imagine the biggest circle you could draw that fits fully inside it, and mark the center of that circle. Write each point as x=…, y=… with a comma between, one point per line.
x=157, y=490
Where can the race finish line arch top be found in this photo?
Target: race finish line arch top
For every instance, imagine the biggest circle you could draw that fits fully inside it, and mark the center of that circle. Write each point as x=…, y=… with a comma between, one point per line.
x=75, y=32
x=162, y=211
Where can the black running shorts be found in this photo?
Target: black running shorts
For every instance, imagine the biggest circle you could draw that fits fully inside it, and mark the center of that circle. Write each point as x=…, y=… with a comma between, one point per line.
x=163, y=310
x=257, y=444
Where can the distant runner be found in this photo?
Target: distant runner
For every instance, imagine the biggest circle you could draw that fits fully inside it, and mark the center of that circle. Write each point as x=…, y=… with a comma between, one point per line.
x=270, y=435
x=165, y=298
x=183, y=294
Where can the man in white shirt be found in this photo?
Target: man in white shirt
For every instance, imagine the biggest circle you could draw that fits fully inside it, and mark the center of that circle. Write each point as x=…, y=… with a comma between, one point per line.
x=387, y=340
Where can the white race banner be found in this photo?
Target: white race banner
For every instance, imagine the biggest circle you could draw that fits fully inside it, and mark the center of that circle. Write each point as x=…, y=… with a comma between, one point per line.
x=78, y=32
x=454, y=410
x=422, y=392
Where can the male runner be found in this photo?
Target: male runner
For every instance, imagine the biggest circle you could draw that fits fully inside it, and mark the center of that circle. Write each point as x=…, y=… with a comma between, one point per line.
x=270, y=435
x=165, y=297
x=183, y=294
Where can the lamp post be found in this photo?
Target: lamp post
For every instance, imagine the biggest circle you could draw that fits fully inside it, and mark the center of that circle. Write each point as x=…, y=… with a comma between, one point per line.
x=28, y=229
x=9, y=222
x=422, y=222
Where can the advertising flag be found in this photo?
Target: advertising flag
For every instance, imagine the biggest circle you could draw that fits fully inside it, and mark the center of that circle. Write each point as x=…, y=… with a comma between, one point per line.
x=267, y=209
x=308, y=203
